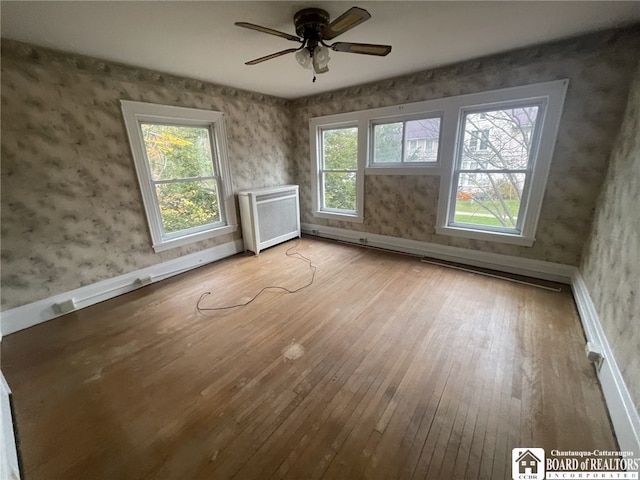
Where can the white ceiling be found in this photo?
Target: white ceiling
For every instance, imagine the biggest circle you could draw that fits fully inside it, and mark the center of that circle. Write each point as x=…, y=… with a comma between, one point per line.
x=199, y=39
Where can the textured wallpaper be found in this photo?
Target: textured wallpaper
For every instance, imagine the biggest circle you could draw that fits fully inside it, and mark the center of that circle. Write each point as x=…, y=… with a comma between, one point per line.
x=611, y=263
x=72, y=212
x=599, y=68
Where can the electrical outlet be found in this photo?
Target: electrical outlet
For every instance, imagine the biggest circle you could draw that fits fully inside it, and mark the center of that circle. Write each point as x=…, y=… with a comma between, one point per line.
x=144, y=280
x=65, y=306
x=594, y=354
x=363, y=240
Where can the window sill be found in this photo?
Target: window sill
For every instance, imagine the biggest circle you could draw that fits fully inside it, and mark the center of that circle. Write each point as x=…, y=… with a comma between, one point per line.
x=499, y=237
x=345, y=217
x=195, y=237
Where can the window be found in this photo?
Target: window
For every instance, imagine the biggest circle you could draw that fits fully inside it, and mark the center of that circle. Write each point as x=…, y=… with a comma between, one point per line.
x=492, y=151
x=339, y=168
x=180, y=160
x=492, y=170
x=412, y=141
x=338, y=150
x=478, y=139
x=500, y=161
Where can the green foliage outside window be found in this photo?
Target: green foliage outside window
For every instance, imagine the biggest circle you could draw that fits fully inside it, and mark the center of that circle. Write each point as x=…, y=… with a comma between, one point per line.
x=388, y=143
x=181, y=164
x=340, y=152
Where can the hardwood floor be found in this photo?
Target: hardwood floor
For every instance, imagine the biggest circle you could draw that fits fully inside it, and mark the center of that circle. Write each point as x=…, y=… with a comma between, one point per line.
x=403, y=370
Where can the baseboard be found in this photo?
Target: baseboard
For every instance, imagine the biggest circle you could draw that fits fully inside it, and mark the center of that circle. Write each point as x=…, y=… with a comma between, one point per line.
x=624, y=416
x=555, y=272
x=40, y=311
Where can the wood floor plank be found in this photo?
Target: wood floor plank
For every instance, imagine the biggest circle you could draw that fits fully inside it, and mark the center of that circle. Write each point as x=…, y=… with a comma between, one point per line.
x=402, y=370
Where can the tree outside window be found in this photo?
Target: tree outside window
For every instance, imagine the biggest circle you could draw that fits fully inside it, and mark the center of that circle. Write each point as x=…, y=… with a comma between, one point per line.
x=183, y=173
x=180, y=156
x=493, y=166
x=339, y=168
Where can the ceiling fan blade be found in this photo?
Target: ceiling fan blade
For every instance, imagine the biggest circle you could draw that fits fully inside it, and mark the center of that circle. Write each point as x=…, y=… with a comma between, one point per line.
x=349, y=19
x=363, y=48
x=273, y=55
x=270, y=31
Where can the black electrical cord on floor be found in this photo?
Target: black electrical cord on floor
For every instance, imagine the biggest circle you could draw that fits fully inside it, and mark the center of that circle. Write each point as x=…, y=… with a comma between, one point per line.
x=312, y=267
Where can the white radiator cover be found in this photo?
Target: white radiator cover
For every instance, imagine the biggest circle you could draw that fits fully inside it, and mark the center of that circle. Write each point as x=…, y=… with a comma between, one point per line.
x=269, y=216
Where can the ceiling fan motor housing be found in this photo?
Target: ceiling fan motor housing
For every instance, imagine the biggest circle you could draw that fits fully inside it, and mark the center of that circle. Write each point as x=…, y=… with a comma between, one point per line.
x=310, y=22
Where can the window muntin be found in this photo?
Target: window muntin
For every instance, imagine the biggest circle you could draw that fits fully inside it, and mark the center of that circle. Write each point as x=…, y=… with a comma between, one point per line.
x=180, y=156
x=405, y=142
x=338, y=169
x=494, y=162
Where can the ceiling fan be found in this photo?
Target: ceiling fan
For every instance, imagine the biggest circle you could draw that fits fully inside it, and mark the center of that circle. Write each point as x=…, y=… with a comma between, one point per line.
x=314, y=29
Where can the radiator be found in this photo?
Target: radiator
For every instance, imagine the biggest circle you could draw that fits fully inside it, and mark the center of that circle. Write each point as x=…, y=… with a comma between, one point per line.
x=269, y=216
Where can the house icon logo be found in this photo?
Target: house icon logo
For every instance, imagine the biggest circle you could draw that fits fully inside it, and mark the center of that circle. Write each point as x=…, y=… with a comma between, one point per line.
x=527, y=464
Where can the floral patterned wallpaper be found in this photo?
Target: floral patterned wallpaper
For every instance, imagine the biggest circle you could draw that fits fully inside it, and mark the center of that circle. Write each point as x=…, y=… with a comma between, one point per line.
x=599, y=68
x=611, y=260
x=72, y=211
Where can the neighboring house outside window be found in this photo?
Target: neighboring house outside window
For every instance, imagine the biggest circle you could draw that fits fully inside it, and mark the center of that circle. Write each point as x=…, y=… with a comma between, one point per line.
x=414, y=140
x=479, y=139
x=493, y=167
x=181, y=163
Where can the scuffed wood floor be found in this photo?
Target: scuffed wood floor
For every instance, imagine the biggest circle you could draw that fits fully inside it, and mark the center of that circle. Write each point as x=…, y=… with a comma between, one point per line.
x=385, y=367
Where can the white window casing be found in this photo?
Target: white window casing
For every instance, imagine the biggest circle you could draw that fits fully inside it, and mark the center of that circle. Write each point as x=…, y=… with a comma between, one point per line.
x=550, y=97
x=317, y=126
x=137, y=113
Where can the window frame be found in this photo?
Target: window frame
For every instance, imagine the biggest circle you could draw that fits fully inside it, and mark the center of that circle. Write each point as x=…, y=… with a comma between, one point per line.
x=137, y=113
x=322, y=170
x=458, y=170
x=549, y=94
x=316, y=127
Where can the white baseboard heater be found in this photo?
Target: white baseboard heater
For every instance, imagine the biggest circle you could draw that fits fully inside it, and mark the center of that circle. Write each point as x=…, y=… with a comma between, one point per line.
x=269, y=216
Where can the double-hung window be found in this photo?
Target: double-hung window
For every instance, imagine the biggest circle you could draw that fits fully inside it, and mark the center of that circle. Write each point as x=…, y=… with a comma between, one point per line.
x=504, y=142
x=337, y=168
x=181, y=163
x=493, y=165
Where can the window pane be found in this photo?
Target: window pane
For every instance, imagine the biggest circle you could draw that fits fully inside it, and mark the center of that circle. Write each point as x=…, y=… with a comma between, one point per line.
x=188, y=204
x=340, y=148
x=387, y=143
x=422, y=140
x=340, y=190
x=498, y=139
x=177, y=152
x=489, y=199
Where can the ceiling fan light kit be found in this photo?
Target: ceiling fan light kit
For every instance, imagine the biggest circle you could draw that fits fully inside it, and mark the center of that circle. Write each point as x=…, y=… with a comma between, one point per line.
x=314, y=28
